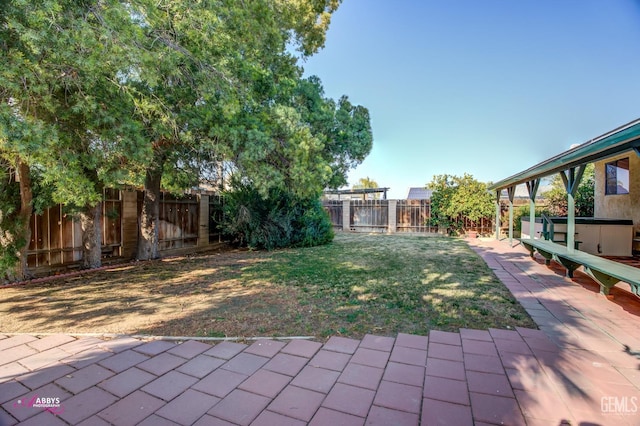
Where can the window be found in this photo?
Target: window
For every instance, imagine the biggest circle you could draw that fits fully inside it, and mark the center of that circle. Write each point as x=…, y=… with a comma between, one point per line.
x=617, y=176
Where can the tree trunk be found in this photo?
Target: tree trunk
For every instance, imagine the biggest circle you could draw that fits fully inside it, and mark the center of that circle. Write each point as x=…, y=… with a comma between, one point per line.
x=91, y=223
x=148, y=234
x=26, y=209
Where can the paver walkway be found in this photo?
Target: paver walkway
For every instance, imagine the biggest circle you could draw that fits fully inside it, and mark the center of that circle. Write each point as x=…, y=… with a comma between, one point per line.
x=581, y=367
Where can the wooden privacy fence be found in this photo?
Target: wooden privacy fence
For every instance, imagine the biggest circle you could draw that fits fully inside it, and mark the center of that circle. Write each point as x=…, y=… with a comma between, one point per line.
x=56, y=235
x=392, y=216
x=185, y=222
x=413, y=216
x=215, y=218
x=178, y=224
x=369, y=215
x=334, y=209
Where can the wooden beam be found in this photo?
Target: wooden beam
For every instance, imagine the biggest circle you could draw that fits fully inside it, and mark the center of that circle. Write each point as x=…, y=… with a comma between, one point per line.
x=572, y=178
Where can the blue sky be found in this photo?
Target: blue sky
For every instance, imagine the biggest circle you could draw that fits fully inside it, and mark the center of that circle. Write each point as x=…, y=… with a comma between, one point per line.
x=486, y=87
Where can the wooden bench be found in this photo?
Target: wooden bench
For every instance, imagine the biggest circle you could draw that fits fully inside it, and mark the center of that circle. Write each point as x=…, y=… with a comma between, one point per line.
x=605, y=272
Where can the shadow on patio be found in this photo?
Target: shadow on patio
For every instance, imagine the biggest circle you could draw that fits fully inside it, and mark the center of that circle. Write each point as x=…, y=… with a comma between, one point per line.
x=591, y=359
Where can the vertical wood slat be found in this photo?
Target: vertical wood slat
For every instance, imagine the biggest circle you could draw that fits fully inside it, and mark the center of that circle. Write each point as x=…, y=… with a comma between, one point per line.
x=334, y=209
x=372, y=215
x=214, y=218
x=179, y=221
x=129, y=224
x=413, y=216
x=410, y=215
x=56, y=237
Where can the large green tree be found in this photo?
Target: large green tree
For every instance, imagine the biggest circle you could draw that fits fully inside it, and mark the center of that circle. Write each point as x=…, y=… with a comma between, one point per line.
x=160, y=94
x=365, y=183
x=343, y=128
x=62, y=63
x=455, y=197
x=218, y=91
x=308, y=144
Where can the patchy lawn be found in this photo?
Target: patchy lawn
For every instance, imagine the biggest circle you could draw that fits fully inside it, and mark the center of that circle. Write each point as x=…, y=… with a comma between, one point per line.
x=380, y=284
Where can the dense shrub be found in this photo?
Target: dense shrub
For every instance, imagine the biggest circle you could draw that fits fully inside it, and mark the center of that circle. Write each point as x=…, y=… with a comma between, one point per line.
x=279, y=220
x=11, y=229
x=454, y=197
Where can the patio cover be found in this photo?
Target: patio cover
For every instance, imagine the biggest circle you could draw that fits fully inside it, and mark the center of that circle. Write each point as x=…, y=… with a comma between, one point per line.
x=617, y=141
x=570, y=164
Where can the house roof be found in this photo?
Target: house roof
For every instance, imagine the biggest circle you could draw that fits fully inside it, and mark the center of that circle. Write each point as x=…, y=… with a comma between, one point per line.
x=419, y=194
x=617, y=141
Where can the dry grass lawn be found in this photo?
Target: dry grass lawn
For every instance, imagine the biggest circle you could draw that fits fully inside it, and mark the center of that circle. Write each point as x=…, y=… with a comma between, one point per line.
x=381, y=284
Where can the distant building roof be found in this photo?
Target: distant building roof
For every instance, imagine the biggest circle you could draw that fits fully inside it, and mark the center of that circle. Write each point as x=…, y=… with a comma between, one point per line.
x=362, y=191
x=419, y=194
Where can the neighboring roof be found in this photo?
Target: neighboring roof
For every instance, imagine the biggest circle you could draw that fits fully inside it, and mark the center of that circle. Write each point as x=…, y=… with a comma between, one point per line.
x=419, y=194
x=356, y=191
x=619, y=140
x=361, y=191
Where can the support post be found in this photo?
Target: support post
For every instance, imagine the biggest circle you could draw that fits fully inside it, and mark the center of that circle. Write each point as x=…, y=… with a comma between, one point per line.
x=498, y=214
x=571, y=179
x=511, y=191
x=392, y=215
x=346, y=215
x=203, y=221
x=129, y=223
x=571, y=223
x=532, y=187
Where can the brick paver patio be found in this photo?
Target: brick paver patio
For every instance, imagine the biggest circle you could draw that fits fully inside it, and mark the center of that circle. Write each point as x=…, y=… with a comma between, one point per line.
x=581, y=367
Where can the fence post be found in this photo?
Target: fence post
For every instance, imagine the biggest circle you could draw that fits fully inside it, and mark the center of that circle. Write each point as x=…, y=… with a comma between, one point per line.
x=393, y=221
x=346, y=215
x=203, y=220
x=129, y=223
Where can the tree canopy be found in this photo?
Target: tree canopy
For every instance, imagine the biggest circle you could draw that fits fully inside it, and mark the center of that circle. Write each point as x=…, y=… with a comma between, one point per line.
x=161, y=94
x=556, y=197
x=366, y=183
x=454, y=196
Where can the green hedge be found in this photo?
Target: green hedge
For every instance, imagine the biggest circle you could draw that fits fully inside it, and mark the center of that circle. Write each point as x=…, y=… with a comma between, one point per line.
x=279, y=220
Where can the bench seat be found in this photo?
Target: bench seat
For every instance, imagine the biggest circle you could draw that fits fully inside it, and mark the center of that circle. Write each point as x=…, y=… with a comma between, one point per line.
x=605, y=272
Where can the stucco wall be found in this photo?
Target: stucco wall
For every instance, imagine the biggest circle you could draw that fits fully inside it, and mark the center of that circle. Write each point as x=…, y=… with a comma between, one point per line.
x=624, y=206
